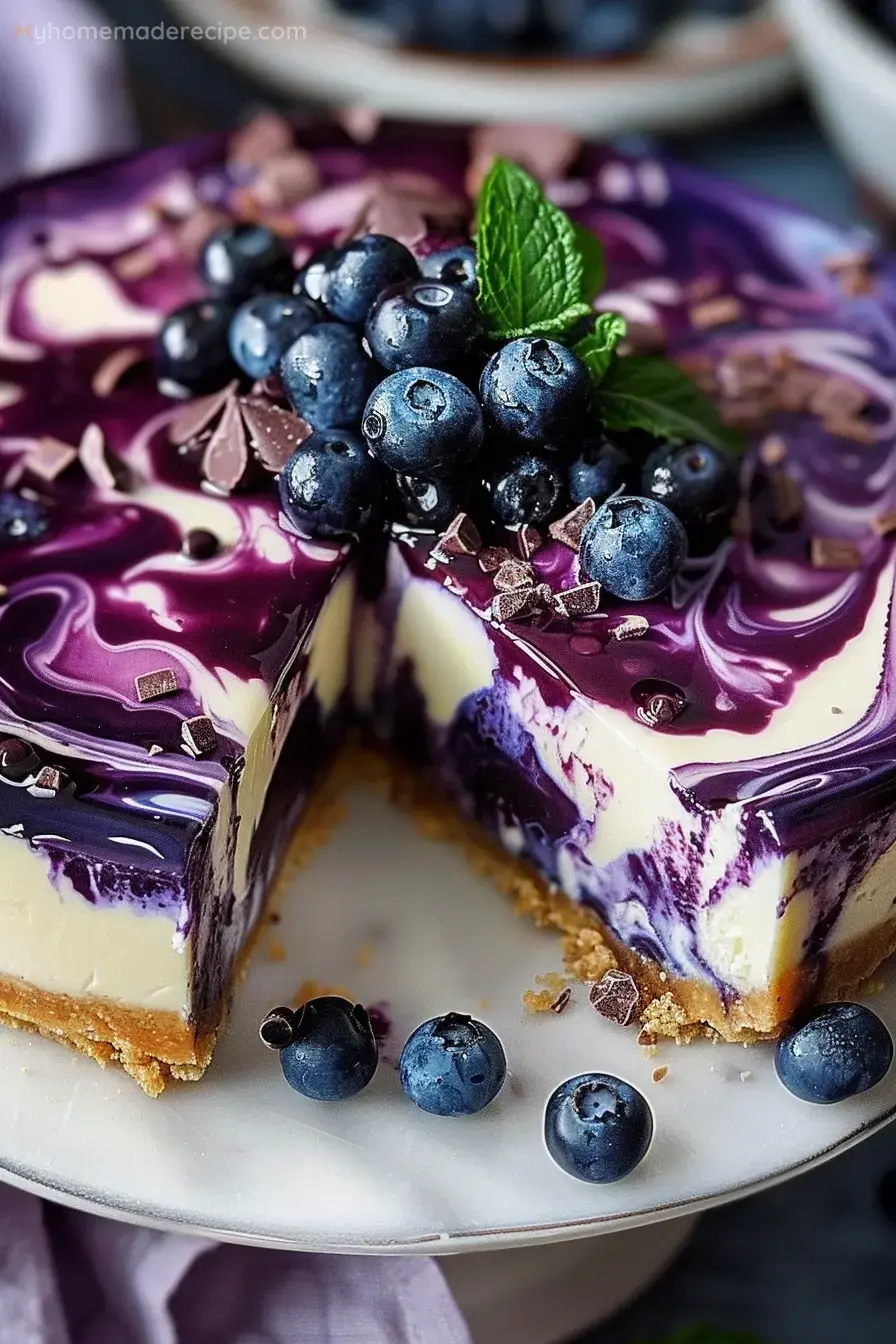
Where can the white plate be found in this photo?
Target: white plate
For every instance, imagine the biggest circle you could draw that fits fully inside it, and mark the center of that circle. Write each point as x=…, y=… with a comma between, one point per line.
x=701, y=70
x=241, y=1156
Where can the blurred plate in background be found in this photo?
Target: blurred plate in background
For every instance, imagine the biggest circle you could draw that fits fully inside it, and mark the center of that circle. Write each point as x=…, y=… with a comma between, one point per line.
x=700, y=71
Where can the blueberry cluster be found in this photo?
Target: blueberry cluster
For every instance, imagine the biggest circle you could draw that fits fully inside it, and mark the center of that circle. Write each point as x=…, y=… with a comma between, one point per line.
x=417, y=415
x=598, y=28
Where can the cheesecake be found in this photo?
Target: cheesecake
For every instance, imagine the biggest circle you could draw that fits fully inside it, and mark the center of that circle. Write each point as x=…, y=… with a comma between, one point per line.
x=701, y=778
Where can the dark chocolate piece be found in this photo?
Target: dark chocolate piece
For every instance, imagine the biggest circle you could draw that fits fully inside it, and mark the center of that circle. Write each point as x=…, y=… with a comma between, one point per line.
x=48, y=782
x=199, y=736
x=772, y=450
x=136, y=265
x=285, y=180
x=660, y=709
x=514, y=574
x=491, y=558
x=720, y=311
x=278, y=1028
x=4, y=593
x=885, y=524
x=568, y=529
x=615, y=996
x=196, y=416
x=153, y=685
x=630, y=627
x=113, y=368
x=834, y=553
x=578, y=602
x=561, y=1000
x=194, y=232
x=49, y=458
x=226, y=457
x=200, y=544
x=100, y=464
x=787, y=498
x=516, y=603
x=264, y=135
x=528, y=541
x=460, y=538
x=274, y=433
x=154, y=749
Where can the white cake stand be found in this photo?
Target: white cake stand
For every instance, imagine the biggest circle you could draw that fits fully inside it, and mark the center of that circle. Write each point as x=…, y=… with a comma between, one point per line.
x=400, y=920
x=700, y=72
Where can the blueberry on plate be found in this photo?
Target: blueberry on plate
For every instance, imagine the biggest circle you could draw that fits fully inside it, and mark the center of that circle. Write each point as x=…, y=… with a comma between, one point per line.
x=454, y=266
x=361, y=271
x=427, y=504
x=21, y=520
x=600, y=468
x=192, y=351
x=699, y=484
x=240, y=260
x=452, y=1065
x=263, y=327
x=333, y=1051
x=331, y=487
x=423, y=422
x=528, y=489
x=840, y=1050
x=312, y=279
x=609, y=28
x=634, y=547
x=537, y=392
x=423, y=322
x=597, y=1127
x=326, y=375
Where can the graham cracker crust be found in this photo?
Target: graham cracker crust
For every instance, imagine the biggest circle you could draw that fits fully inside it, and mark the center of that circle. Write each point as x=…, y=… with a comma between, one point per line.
x=157, y=1047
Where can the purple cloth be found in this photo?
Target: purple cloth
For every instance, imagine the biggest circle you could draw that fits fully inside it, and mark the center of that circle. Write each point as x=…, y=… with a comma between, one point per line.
x=73, y=1278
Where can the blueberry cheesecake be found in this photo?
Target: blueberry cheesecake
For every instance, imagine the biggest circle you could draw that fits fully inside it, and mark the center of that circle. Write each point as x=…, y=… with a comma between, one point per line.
x=586, y=512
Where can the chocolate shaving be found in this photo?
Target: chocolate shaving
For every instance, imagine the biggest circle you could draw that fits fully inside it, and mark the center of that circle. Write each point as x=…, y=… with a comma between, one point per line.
x=195, y=416
x=742, y=375
x=405, y=206
x=787, y=498
x=153, y=685
x=361, y=123
x=194, y=232
x=264, y=135
x=4, y=593
x=226, y=457
x=644, y=338
x=561, y=1000
x=579, y=602
x=100, y=464
x=797, y=387
x=491, y=558
x=285, y=180
x=113, y=368
x=702, y=369
x=851, y=427
x=717, y=312
x=885, y=524
x=528, y=541
x=547, y=152
x=48, y=782
x=660, y=709
x=772, y=450
x=515, y=604
x=838, y=397
x=752, y=413
x=461, y=537
x=155, y=749
x=630, y=627
x=514, y=574
x=616, y=997
x=274, y=433
x=49, y=458
x=834, y=553
x=568, y=529
x=703, y=288
x=136, y=265
x=199, y=736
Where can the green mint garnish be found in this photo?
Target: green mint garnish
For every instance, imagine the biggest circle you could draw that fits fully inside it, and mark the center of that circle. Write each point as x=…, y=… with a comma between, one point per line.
x=530, y=269
x=594, y=265
x=596, y=350
x=644, y=392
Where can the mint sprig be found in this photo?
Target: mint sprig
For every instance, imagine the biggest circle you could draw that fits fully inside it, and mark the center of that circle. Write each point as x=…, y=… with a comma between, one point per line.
x=539, y=273
x=645, y=392
x=530, y=269
x=596, y=350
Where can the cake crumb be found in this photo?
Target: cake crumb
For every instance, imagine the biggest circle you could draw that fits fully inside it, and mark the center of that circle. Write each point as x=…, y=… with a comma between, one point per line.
x=316, y=989
x=364, y=956
x=484, y=1005
x=659, y=1074
x=276, y=950
x=665, y=1017
x=746, y=1075
x=538, y=1000
x=553, y=980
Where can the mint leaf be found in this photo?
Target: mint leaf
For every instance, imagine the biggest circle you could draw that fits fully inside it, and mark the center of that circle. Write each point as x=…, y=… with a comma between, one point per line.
x=644, y=392
x=594, y=267
x=597, y=349
x=528, y=263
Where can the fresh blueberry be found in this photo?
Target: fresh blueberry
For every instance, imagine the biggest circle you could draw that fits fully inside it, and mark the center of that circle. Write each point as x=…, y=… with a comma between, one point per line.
x=600, y=468
x=608, y=27
x=263, y=327
x=192, y=351
x=333, y=1051
x=842, y=1049
x=360, y=273
x=240, y=260
x=699, y=484
x=314, y=276
x=423, y=422
x=597, y=1128
x=431, y=505
x=326, y=375
x=331, y=487
x=538, y=393
x=528, y=489
x=21, y=519
x=634, y=547
x=423, y=322
x=454, y=266
x=452, y=1065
